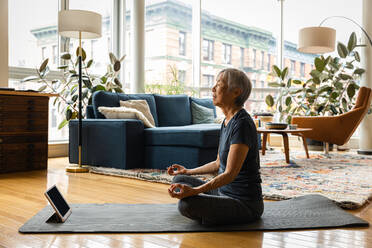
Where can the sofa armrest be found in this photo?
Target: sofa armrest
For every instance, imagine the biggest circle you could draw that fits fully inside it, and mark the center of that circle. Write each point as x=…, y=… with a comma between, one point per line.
x=108, y=142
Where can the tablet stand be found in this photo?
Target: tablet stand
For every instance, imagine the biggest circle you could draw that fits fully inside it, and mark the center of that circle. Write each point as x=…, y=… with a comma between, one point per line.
x=54, y=218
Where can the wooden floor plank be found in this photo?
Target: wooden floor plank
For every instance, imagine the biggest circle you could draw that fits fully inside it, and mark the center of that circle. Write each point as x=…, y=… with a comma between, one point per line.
x=21, y=197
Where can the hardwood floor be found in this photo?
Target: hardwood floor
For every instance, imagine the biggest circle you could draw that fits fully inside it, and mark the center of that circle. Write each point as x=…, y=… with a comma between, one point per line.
x=21, y=196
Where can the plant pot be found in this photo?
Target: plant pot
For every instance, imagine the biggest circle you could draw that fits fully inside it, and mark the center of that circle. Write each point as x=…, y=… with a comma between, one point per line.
x=315, y=145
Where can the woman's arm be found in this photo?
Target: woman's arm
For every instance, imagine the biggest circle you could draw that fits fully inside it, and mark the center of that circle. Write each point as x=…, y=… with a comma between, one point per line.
x=211, y=167
x=235, y=159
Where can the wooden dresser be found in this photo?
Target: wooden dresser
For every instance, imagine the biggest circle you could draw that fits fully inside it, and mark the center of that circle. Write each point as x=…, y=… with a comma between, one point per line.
x=23, y=131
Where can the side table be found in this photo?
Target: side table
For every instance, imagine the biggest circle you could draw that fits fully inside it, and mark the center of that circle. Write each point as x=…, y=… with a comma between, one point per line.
x=284, y=133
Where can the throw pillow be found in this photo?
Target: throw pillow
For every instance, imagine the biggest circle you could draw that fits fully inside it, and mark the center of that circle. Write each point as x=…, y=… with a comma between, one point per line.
x=142, y=106
x=201, y=114
x=124, y=113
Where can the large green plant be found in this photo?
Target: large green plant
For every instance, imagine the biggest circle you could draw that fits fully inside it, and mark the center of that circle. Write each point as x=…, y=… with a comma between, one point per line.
x=330, y=90
x=67, y=87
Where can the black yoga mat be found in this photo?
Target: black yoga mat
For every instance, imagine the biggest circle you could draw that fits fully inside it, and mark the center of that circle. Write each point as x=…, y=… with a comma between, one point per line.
x=305, y=212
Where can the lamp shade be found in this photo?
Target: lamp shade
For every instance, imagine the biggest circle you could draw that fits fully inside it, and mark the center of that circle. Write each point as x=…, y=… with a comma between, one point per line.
x=71, y=22
x=316, y=40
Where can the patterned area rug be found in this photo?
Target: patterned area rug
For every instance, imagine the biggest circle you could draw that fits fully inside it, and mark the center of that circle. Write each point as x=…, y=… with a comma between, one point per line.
x=343, y=178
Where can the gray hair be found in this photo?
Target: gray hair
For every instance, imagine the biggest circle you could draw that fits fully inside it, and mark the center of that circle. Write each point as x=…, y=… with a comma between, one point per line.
x=237, y=79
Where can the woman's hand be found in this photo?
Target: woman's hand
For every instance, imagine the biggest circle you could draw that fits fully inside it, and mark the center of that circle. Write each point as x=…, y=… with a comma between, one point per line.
x=176, y=169
x=185, y=191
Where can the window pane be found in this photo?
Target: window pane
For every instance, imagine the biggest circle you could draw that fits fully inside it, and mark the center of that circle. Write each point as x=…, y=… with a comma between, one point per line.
x=97, y=49
x=168, y=27
x=30, y=39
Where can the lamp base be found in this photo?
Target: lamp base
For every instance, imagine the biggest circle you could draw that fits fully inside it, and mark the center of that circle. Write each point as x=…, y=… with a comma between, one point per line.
x=77, y=169
x=365, y=152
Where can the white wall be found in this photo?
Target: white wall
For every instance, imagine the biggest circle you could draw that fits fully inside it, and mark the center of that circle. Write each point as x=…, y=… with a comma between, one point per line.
x=3, y=43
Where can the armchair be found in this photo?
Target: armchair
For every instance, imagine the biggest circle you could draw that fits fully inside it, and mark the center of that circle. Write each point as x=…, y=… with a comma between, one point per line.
x=336, y=129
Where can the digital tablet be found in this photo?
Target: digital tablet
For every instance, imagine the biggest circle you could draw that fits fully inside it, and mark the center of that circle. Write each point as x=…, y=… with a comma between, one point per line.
x=58, y=202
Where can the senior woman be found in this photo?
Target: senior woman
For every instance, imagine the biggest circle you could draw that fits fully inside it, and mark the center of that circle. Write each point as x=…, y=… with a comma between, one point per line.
x=234, y=195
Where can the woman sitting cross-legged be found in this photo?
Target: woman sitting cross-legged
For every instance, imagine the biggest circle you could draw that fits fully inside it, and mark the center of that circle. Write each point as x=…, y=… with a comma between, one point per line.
x=234, y=195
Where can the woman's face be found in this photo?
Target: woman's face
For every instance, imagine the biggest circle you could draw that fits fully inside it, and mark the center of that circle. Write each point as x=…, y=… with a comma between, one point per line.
x=222, y=96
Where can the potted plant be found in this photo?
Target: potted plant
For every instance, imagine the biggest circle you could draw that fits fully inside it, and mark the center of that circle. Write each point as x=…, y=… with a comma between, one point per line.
x=329, y=91
x=67, y=87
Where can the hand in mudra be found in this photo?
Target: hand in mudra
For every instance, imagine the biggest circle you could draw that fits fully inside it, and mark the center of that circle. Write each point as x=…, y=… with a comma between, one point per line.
x=182, y=192
x=176, y=169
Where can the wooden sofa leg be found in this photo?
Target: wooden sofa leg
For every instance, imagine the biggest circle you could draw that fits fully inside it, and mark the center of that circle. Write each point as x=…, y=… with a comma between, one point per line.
x=326, y=148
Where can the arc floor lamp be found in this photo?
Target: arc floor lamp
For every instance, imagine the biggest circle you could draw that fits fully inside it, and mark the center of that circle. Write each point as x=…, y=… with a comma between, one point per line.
x=80, y=24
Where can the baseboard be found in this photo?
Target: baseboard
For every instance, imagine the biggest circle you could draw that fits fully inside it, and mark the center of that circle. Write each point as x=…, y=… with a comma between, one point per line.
x=58, y=150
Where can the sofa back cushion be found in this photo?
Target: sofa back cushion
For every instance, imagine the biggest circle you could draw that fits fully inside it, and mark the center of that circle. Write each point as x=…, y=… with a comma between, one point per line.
x=205, y=102
x=110, y=99
x=173, y=110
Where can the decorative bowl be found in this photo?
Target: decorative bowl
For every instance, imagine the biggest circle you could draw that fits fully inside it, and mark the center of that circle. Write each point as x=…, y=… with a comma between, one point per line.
x=276, y=125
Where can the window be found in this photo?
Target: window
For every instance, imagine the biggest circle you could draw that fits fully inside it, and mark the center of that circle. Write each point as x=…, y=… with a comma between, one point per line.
x=262, y=60
x=208, y=50
x=269, y=62
x=55, y=54
x=93, y=47
x=302, y=69
x=182, y=43
x=242, y=57
x=182, y=76
x=262, y=86
x=43, y=53
x=226, y=53
x=208, y=81
x=293, y=67
x=54, y=118
x=254, y=57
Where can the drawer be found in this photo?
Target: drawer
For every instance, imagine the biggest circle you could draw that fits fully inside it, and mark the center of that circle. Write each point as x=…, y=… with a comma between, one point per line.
x=23, y=103
x=23, y=125
x=15, y=115
x=19, y=139
x=23, y=157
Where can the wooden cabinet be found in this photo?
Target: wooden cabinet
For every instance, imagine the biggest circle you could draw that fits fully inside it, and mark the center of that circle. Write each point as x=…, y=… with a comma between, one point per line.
x=23, y=131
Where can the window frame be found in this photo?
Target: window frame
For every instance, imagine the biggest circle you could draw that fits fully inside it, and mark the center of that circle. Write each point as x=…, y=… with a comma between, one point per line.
x=182, y=46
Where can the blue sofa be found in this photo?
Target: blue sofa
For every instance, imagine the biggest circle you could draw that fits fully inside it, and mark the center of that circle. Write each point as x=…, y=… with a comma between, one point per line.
x=127, y=144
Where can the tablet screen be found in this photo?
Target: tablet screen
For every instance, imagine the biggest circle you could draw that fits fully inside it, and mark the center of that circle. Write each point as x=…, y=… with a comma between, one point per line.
x=58, y=200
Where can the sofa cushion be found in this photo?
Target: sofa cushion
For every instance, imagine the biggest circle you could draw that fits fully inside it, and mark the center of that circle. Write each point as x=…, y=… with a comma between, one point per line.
x=173, y=110
x=199, y=135
x=142, y=106
x=205, y=102
x=105, y=99
x=110, y=99
x=201, y=114
x=150, y=101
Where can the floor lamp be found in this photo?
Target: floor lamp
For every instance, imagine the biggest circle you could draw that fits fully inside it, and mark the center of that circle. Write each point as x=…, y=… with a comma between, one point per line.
x=79, y=24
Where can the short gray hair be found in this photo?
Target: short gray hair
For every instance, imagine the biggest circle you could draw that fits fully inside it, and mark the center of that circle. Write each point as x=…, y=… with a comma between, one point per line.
x=237, y=79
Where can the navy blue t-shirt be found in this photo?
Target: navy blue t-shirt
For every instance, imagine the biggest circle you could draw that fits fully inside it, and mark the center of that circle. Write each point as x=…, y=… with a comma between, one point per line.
x=241, y=130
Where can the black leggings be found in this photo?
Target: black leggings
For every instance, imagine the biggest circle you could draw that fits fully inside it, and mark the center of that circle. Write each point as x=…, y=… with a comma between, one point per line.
x=214, y=208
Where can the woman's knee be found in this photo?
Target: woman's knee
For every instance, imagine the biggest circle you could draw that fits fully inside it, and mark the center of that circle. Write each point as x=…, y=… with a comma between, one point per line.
x=179, y=179
x=185, y=207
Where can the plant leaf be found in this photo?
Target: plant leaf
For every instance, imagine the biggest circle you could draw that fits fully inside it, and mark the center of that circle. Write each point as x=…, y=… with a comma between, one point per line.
x=117, y=66
x=296, y=81
x=352, y=42
x=62, y=67
x=83, y=56
x=66, y=56
x=42, y=88
x=319, y=64
x=359, y=71
x=90, y=62
x=269, y=100
x=342, y=50
x=356, y=55
x=62, y=124
x=30, y=78
x=113, y=59
x=350, y=91
x=274, y=84
x=122, y=58
x=68, y=114
x=288, y=101
x=344, y=76
x=284, y=73
x=117, y=82
x=43, y=65
x=277, y=71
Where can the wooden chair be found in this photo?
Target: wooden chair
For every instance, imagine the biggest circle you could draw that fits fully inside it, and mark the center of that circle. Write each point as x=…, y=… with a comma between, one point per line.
x=336, y=129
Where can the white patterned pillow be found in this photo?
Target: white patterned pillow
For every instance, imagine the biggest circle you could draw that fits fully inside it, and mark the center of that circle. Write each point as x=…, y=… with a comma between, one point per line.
x=124, y=113
x=142, y=106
